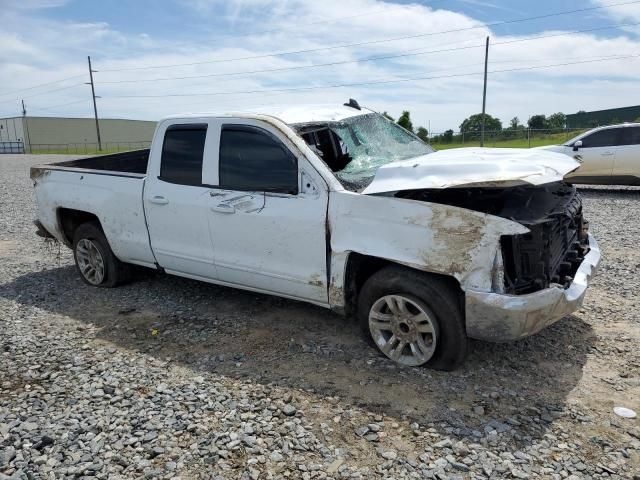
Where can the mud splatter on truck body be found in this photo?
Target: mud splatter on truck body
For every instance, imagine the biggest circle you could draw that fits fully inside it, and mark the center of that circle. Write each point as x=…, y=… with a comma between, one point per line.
x=556, y=243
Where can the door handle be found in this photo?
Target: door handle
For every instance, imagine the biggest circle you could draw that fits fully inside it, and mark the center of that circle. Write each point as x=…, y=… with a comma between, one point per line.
x=606, y=154
x=159, y=200
x=223, y=208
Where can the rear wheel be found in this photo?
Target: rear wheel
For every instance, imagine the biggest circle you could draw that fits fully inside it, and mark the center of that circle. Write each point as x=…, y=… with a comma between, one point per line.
x=95, y=261
x=413, y=318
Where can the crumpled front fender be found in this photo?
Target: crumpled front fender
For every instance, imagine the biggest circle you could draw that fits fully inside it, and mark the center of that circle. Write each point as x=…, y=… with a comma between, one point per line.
x=427, y=236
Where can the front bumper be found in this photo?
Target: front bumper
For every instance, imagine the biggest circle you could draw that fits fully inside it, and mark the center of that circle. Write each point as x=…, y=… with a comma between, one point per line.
x=498, y=317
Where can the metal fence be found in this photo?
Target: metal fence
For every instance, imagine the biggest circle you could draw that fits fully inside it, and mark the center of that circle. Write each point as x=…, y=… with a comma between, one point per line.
x=11, y=147
x=86, y=148
x=515, y=138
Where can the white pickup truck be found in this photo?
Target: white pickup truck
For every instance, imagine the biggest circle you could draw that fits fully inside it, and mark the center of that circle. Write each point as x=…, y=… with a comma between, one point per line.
x=339, y=207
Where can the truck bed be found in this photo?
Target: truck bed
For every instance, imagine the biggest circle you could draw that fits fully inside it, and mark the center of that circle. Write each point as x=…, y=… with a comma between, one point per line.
x=134, y=162
x=108, y=188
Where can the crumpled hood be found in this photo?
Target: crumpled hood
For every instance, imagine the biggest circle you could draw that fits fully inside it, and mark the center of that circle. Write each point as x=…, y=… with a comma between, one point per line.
x=478, y=167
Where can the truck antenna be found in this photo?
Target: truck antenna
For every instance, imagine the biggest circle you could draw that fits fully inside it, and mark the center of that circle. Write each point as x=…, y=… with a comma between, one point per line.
x=353, y=104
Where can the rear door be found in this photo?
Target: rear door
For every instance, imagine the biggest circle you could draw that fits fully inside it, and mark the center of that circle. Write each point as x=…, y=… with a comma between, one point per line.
x=627, y=162
x=597, y=154
x=176, y=202
x=267, y=213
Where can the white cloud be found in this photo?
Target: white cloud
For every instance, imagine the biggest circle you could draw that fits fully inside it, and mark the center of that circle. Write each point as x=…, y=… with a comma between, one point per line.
x=620, y=10
x=56, y=50
x=33, y=4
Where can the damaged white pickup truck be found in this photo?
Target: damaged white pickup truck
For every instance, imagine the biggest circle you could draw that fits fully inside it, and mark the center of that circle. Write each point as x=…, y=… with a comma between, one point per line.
x=341, y=208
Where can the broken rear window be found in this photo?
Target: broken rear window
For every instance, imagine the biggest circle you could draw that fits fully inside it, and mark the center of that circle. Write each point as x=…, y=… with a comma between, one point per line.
x=356, y=147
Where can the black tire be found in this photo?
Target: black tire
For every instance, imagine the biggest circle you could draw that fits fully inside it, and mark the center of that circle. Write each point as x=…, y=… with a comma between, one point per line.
x=434, y=295
x=115, y=271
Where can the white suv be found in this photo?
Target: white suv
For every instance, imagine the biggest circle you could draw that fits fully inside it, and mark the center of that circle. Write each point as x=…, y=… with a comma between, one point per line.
x=608, y=155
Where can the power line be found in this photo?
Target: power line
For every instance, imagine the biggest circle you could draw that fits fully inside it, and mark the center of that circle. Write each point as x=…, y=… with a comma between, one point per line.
x=236, y=36
x=371, y=42
x=244, y=34
x=283, y=91
x=457, y=67
x=51, y=107
x=45, y=92
x=590, y=59
x=408, y=53
x=297, y=67
x=298, y=25
x=379, y=82
x=40, y=85
x=335, y=47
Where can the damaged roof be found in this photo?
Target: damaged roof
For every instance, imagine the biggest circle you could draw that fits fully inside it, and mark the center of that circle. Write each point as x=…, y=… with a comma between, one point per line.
x=291, y=115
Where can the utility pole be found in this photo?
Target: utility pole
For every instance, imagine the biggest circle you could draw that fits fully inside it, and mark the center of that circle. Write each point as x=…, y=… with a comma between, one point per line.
x=484, y=92
x=26, y=125
x=95, y=108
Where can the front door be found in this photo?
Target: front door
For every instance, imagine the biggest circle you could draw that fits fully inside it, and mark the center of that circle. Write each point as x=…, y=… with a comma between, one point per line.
x=267, y=214
x=597, y=154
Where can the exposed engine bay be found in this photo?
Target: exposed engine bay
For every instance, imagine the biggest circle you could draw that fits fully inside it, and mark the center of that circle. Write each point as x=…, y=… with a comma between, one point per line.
x=558, y=239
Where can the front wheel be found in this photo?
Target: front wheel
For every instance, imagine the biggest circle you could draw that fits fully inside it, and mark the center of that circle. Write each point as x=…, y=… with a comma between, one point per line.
x=96, y=263
x=413, y=318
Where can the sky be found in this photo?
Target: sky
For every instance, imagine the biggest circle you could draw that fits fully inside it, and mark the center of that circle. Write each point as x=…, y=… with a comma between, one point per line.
x=155, y=58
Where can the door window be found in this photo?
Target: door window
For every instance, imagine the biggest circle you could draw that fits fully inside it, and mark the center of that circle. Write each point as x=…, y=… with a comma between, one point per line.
x=602, y=138
x=182, y=152
x=630, y=136
x=252, y=159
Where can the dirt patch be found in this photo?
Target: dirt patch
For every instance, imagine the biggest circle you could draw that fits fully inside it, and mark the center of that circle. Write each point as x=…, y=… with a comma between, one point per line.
x=7, y=248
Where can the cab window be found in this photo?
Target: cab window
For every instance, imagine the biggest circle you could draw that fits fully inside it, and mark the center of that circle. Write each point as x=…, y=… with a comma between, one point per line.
x=630, y=136
x=602, y=138
x=252, y=159
x=182, y=152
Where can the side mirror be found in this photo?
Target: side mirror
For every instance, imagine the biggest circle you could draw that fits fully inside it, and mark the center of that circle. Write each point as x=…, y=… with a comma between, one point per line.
x=577, y=145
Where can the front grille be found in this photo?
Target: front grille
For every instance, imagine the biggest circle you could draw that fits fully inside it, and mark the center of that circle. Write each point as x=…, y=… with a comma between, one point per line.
x=549, y=254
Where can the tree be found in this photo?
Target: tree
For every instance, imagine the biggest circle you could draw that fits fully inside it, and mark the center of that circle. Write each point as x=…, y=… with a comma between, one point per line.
x=447, y=136
x=405, y=121
x=389, y=117
x=557, y=120
x=637, y=120
x=514, y=123
x=537, y=122
x=423, y=134
x=473, y=124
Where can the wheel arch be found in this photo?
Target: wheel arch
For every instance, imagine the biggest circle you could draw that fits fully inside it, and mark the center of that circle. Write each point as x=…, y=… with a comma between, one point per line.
x=359, y=268
x=70, y=219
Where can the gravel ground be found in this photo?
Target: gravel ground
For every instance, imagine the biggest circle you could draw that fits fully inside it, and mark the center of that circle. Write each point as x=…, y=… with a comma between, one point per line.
x=171, y=378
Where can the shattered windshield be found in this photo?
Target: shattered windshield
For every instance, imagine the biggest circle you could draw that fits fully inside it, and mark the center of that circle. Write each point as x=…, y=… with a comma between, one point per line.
x=356, y=147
